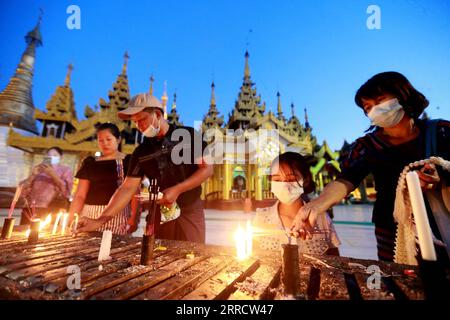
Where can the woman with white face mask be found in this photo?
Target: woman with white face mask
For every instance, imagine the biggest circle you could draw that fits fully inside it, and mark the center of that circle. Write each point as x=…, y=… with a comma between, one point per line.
x=291, y=182
x=48, y=187
x=396, y=138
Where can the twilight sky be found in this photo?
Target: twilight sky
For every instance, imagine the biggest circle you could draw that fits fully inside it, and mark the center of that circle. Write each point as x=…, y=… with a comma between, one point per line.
x=316, y=54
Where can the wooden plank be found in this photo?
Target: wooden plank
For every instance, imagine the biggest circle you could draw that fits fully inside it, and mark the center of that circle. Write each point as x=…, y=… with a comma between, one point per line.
x=29, y=268
x=139, y=284
x=393, y=287
x=258, y=286
x=411, y=287
x=89, y=276
x=101, y=281
x=33, y=253
x=41, y=278
x=187, y=281
x=221, y=285
x=332, y=285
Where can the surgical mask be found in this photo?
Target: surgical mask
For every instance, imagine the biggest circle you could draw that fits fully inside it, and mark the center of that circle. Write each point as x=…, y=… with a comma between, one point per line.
x=386, y=114
x=54, y=160
x=287, y=192
x=151, y=131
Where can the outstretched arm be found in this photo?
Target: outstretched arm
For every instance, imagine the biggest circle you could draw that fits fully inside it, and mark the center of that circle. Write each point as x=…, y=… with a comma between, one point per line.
x=307, y=216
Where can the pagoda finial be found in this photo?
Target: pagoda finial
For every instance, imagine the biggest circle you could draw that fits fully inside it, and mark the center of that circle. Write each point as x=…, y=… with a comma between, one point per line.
x=174, y=103
x=68, y=75
x=164, y=99
x=247, y=67
x=125, y=62
x=306, y=119
x=279, y=109
x=293, y=109
x=213, y=95
x=151, y=85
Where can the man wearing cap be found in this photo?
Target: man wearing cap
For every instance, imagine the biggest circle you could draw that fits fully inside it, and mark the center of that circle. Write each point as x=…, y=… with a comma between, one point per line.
x=154, y=158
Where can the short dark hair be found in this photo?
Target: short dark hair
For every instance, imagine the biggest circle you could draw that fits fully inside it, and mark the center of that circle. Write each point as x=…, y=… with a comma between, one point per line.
x=57, y=149
x=111, y=127
x=296, y=162
x=396, y=84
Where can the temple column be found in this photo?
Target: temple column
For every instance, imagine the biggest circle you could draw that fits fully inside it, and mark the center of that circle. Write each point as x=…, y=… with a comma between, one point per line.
x=258, y=186
x=226, y=181
x=320, y=182
x=249, y=180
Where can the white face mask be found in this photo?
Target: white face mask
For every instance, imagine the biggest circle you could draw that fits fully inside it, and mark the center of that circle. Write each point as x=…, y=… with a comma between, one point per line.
x=286, y=192
x=55, y=160
x=151, y=131
x=386, y=114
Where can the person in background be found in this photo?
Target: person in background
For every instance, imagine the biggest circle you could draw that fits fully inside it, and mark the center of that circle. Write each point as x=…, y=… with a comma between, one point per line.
x=291, y=183
x=180, y=182
x=99, y=178
x=47, y=189
x=396, y=138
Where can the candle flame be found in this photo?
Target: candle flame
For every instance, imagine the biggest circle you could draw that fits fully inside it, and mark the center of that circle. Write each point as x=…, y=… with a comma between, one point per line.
x=55, y=225
x=243, y=240
x=64, y=223
x=27, y=233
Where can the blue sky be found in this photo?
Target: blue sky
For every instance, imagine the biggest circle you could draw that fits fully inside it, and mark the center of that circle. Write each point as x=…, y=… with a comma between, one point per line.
x=316, y=54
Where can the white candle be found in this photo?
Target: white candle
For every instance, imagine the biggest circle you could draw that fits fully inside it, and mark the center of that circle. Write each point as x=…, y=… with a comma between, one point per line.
x=249, y=236
x=420, y=217
x=105, y=247
x=55, y=225
x=64, y=223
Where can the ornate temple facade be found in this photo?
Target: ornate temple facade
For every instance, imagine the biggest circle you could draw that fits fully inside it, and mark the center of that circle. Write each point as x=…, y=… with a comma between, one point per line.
x=240, y=174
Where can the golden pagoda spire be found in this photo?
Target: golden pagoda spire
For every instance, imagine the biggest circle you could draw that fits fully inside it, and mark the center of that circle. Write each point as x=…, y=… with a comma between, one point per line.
x=151, y=85
x=125, y=63
x=69, y=72
x=174, y=102
x=16, y=102
x=213, y=96
x=306, y=119
x=247, y=67
x=164, y=99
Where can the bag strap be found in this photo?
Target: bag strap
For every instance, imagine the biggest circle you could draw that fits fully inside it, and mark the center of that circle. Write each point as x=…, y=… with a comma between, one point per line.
x=120, y=174
x=431, y=138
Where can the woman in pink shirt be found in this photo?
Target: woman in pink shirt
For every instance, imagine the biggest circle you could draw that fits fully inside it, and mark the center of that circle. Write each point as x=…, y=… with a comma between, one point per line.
x=48, y=188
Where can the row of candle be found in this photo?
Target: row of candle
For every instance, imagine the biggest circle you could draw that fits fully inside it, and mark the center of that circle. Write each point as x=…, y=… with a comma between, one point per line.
x=62, y=217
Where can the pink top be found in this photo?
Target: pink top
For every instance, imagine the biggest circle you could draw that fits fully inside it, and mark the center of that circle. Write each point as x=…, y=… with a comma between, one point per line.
x=43, y=188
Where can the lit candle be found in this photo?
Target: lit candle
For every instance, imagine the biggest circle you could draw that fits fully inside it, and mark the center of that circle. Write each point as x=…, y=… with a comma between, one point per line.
x=420, y=217
x=249, y=238
x=7, y=229
x=33, y=236
x=290, y=273
x=105, y=247
x=75, y=222
x=240, y=239
x=46, y=222
x=64, y=223
x=55, y=225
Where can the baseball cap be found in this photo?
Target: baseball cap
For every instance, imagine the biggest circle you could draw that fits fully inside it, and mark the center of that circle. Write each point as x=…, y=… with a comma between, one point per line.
x=138, y=103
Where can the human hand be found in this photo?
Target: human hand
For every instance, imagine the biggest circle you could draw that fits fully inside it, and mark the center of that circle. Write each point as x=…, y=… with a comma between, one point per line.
x=47, y=168
x=306, y=219
x=170, y=196
x=88, y=225
x=428, y=176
